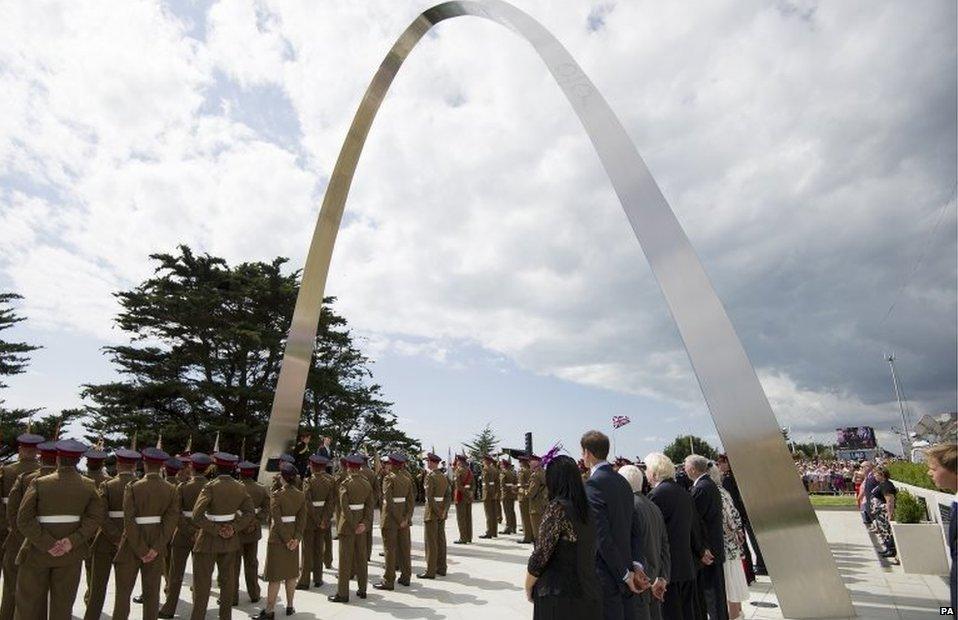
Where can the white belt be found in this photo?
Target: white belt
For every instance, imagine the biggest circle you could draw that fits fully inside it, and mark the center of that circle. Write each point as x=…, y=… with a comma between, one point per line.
x=59, y=519
x=439, y=499
x=357, y=506
x=319, y=504
x=510, y=484
x=188, y=514
x=467, y=486
x=220, y=518
x=399, y=500
x=490, y=484
x=115, y=514
x=147, y=520
x=288, y=518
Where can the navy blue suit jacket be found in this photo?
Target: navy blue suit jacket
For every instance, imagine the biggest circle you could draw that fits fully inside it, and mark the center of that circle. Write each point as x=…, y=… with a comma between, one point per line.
x=618, y=542
x=680, y=523
x=708, y=503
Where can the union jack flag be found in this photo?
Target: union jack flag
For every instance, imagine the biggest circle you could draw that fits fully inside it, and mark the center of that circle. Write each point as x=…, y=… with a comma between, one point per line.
x=620, y=420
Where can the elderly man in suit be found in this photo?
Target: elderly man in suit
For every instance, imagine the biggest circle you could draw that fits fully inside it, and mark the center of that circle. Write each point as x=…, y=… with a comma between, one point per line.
x=708, y=504
x=655, y=546
x=678, y=511
x=619, y=558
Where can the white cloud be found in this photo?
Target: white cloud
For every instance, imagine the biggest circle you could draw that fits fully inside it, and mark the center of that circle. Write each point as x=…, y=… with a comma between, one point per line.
x=805, y=148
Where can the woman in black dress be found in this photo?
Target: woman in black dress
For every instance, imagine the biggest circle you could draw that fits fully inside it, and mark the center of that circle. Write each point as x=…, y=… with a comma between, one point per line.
x=561, y=582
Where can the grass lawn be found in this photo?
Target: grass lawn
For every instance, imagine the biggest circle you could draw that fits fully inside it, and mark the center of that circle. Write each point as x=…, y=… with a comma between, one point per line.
x=833, y=501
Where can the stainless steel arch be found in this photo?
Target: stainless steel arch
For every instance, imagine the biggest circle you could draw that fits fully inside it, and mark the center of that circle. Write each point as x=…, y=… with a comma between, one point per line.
x=803, y=571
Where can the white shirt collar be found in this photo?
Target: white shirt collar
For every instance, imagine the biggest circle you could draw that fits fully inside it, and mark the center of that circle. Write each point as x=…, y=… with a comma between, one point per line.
x=700, y=477
x=597, y=466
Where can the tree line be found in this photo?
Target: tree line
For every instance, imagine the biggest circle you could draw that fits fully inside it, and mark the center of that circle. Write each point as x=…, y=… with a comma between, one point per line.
x=203, y=345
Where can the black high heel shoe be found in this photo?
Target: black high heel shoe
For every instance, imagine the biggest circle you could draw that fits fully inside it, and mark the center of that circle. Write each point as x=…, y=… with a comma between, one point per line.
x=290, y=611
x=264, y=615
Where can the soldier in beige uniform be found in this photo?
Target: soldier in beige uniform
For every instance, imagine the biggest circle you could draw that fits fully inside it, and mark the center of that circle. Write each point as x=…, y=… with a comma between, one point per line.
x=222, y=510
x=462, y=496
x=490, y=496
x=94, y=466
x=508, y=482
x=47, y=465
x=538, y=495
x=320, y=504
x=249, y=538
x=26, y=462
x=151, y=511
x=287, y=512
x=355, y=518
x=59, y=516
x=373, y=481
x=523, y=490
x=399, y=500
x=434, y=518
x=185, y=536
x=108, y=538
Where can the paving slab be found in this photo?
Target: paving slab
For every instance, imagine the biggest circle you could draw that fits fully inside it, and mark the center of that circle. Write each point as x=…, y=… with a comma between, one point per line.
x=485, y=580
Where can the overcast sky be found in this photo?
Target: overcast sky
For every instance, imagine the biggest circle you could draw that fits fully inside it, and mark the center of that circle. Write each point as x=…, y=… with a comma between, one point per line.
x=808, y=149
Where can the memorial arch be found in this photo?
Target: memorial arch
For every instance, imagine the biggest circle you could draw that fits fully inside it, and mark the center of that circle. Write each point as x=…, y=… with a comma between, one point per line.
x=798, y=559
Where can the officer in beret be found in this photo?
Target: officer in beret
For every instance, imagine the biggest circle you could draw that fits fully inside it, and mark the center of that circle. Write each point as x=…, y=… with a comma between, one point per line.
x=185, y=537
x=94, y=465
x=490, y=501
x=47, y=465
x=434, y=518
x=538, y=494
x=249, y=537
x=222, y=510
x=59, y=516
x=108, y=538
x=508, y=482
x=462, y=497
x=355, y=518
x=399, y=499
x=26, y=462
x=151, y=511
x=321, y=504
x=522, y=487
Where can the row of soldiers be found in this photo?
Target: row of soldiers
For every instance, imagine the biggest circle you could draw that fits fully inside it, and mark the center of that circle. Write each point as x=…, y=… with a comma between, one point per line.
x=56, y=519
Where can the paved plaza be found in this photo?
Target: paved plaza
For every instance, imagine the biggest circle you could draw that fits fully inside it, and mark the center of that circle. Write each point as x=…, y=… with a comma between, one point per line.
x=485, y=581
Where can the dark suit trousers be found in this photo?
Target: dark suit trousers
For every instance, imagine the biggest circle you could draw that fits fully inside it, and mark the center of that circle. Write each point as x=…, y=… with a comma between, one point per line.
x=618, y=603
x=679, y=603
x=713, y=587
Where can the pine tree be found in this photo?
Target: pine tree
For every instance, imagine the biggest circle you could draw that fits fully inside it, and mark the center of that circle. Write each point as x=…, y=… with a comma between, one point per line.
x=484, y=444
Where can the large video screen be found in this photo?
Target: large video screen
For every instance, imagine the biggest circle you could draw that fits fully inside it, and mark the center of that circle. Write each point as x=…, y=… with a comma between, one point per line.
x=855, y=438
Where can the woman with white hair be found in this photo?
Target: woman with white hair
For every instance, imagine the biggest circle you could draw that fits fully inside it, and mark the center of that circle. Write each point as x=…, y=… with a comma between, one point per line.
x=678, y=512
x=655, y=545
x=736, y=587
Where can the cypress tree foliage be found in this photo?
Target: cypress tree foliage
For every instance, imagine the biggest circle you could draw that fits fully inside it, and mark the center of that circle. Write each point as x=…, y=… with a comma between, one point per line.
x=206, y=342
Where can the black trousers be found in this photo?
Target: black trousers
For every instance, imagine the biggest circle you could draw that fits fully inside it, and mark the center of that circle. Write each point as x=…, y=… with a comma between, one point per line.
x=713, y=589
x=679, y=603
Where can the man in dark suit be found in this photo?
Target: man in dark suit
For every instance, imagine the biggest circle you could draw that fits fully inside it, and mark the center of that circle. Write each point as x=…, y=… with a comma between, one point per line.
x=708, y=503
x=678, y=511
x=619, y=560
x=326, y=451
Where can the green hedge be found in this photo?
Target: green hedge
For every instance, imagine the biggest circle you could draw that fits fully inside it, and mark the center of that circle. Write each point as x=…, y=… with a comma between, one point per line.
x=911, y=473
x=908, y=508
